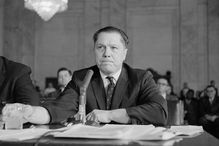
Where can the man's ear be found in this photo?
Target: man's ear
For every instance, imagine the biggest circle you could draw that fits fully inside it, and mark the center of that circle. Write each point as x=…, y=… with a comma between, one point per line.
x=125, y=53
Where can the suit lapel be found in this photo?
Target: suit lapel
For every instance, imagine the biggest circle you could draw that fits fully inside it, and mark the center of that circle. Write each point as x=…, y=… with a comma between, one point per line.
x=120, y=90
x=99, y=91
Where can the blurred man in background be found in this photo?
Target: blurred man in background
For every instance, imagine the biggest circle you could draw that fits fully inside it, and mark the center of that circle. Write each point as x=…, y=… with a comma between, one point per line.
x=64, y=76
x=163, y=86
x=209, y=111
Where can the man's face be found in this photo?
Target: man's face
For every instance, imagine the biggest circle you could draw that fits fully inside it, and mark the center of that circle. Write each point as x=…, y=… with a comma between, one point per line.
x=63, y=78
x=110, y=52
x=211, y=92
x=162, y=85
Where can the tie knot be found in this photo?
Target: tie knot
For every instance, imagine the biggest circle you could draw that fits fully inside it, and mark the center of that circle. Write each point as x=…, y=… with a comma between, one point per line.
x=110, y=79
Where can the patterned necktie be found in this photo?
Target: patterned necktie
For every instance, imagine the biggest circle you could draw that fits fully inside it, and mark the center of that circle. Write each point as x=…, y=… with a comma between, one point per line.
x=109, y=93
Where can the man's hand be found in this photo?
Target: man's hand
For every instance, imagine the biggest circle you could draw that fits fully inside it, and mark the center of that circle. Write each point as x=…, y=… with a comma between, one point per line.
x=102, y=116
x=15, y=110
x=211, y=117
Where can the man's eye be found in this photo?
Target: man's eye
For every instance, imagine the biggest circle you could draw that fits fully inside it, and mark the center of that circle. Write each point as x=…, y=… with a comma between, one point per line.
x=114, y=48
x=100, y=47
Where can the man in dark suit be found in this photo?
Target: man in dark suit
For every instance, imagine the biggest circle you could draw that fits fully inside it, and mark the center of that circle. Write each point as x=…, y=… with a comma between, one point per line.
x=64, y=76
x=209, y=111
x=116, y=93
x=190, y=108
x=15, y=84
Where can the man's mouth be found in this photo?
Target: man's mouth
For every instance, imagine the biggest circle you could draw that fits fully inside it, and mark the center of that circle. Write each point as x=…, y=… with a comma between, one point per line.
x=106, y=61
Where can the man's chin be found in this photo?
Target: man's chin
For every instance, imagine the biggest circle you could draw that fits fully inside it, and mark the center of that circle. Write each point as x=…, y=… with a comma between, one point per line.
x=106, y=71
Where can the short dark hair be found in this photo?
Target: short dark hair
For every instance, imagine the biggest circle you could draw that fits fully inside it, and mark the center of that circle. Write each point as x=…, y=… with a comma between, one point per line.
x=64, y=69
x=111, y=29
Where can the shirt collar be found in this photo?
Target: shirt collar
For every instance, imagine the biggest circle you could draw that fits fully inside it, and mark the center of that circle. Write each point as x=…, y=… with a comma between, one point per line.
x=164, y=95
x=211, y=99
x=115, y=76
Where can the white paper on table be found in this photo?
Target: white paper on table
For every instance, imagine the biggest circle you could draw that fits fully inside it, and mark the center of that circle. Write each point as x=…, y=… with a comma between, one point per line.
x=109, y=131
x=24, y=134
x=114, y=131
x=186, y=130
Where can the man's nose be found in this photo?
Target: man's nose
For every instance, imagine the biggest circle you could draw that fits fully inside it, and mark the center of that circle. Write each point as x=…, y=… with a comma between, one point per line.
x=107, y=52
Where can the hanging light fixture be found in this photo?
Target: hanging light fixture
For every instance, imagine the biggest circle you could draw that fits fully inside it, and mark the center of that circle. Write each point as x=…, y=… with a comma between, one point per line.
x=46, y=9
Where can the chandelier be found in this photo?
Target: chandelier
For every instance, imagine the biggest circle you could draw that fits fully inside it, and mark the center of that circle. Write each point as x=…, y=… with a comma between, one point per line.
x=46, y=9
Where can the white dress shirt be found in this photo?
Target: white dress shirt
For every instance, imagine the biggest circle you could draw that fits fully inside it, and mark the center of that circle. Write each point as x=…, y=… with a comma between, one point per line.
x=106, y=81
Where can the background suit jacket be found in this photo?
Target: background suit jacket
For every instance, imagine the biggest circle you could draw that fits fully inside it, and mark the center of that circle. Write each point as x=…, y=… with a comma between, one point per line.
x=205, y=107
x=135, y=91
x=15, y=84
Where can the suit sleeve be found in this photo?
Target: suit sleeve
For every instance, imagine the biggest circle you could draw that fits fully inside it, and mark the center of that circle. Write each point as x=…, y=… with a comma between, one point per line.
x=24, y=90
x=65, y=105
x=151, y=107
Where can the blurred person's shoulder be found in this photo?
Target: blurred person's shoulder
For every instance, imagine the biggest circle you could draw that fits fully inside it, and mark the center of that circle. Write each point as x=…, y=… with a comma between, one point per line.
x=13, y=67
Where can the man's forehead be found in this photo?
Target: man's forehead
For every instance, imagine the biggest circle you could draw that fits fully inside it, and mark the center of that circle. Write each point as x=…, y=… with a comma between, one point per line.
x=113, y=38
x=116, y=35
x=109, y=33
x=210, y=88
x=64, y=72
x=162, y=80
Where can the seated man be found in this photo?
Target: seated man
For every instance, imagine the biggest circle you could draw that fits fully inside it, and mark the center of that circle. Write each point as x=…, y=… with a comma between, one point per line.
x=190, y=108
x=163, y=86
x=165, y=89
x=209, y=111
x=64, y=76
x=133, y=97
x=15, y=84
x=184, y=91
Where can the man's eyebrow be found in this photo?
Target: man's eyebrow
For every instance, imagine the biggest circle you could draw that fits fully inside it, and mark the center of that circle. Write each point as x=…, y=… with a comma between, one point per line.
x=99, y=44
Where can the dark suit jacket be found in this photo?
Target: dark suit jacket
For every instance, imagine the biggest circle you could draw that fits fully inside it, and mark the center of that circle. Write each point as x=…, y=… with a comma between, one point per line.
x=212, y=109
x=15, y=84
x=206, y=108
x=135, y=91
x=192, y=112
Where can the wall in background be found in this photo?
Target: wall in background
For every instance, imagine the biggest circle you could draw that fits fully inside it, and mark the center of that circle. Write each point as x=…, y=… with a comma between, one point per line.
x=1, y=26
x=176, y=35
x=213, y=40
